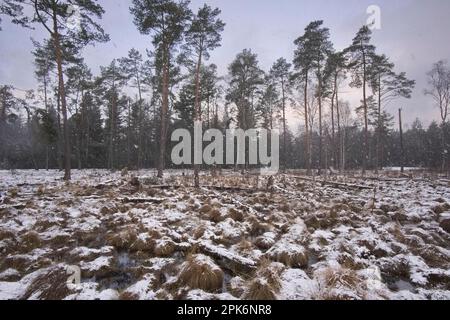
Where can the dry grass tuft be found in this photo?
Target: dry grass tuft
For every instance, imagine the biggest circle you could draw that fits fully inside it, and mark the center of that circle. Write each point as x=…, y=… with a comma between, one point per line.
x=123, y=239
x=30, y=241
x=258, y=228
x=271, y=272
x=13, y=192
x=245, y=246
x=108, y=210
x=49, y=286
x=164, y=247
x=128, y=296
x=6, y=234
x=265, y=242
x=236, y=215
x=337, y=283
x=215, y=216
x=200, y=272
x=199, y=231
x=259, y=289
x=40, y=190
x=445, y=224
x=236, y=286
x=291, y=255
x=205, y=209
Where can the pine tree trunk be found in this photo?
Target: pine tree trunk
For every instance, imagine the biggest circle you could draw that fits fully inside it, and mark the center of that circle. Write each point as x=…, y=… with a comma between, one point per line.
x=444, y=153
x=333, y=129
x=378, y=153
x=62, y=94
x=366, y=123
x=340, y=145
x=402, y=151
x=197, y=113
x=307, y=137
x=164, y=111
x=319, y=94
x=284, y=126
x=139, y=129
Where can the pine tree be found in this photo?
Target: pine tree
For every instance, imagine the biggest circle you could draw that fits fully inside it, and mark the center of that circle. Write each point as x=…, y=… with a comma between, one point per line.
x=139, y=72
x=268, y=106
x=166, y=20
x=110, y=82
x=360, y=54
x=312, y=50
x=280, y=73
x=335, y=73
x=202, y=36
x=52, y=15
x=246, y=78
x=387, y=86
x=210, y=93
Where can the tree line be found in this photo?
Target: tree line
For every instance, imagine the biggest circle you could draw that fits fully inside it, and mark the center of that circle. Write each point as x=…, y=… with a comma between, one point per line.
x=123, y=116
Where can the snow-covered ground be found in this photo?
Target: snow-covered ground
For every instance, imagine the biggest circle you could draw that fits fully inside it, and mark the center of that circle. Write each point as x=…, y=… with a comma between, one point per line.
x=235, y=238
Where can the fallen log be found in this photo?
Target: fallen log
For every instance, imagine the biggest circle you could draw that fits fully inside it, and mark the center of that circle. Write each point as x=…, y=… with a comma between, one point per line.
x=164, y=187
x=19, y=206
x=142, y=200
x=227, y=259
x=337, y=185
x=231, y=189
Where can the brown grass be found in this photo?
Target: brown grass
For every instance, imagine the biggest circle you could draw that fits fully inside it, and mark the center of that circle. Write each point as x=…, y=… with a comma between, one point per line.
x=348, y=283
x=271, y=272
x=107, y=210
x=14, y=192
x=200, y=272
x=6, y=234
x=215, y=216
x=264, y=243
x=30, y=241
x=18, y=262
x=236, y=215
x=236, y=286
x=245, y=246
x=123, y=239
x=49, y=286
x=40, y=190
x=128, y=296
x=199, y=231
x=205, y=209
x=164, y=247
x=287, y=256
x=260, y=289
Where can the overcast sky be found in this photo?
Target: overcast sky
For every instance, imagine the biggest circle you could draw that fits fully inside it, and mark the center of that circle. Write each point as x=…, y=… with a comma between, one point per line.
x=414, y=35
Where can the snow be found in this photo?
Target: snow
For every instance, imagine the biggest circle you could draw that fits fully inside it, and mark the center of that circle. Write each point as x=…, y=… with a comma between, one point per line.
x=397, y=237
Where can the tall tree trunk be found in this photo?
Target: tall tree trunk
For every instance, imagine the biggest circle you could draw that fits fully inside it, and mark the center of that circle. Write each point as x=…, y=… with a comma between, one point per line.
x=62, y=94
x=444, y=151
x=307, y=137
x=59, y=143
x=366, y=122
x=112, y=131
x=164, y=111
x=379, y=160
x=333, y=133
x=139, y=124
x=319, y=96
x=340, y=146
x=402, y=151
x=129, y=136
x=197, y=113
x=283, y=93
x=46, y=109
